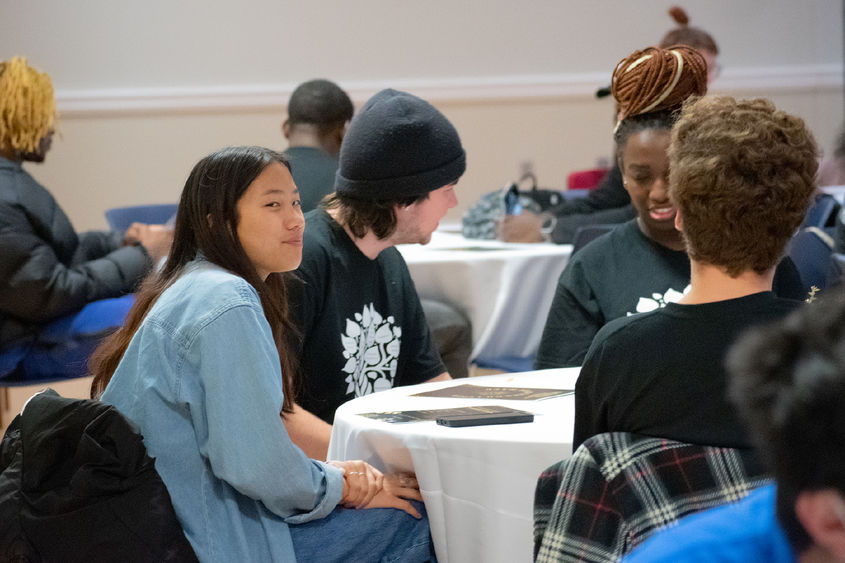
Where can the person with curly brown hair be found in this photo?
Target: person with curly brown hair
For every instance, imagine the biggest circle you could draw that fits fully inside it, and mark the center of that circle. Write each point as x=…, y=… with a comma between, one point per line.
x=642, y=264
x=741, y=176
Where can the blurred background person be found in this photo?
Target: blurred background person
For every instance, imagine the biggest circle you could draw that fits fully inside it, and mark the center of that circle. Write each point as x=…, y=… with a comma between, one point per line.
x=318, y=112
x=693, y=37
x=47, y=270
x=832, y=167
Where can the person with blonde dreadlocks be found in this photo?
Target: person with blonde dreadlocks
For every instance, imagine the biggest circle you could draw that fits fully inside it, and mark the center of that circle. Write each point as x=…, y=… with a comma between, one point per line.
x=641, y=265
x=47, y=270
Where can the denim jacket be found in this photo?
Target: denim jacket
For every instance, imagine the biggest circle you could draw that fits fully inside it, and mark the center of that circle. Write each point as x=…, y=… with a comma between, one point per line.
x=202, y=379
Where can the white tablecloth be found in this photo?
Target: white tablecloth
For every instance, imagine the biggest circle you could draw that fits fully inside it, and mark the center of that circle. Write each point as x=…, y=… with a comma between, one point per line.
x=504, y=288
x=477, y=482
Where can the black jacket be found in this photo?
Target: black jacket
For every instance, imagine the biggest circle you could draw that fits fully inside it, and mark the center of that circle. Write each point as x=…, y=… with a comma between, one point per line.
x=609, y=194
x=608, y=203
x=46, y=269
x=76, y=484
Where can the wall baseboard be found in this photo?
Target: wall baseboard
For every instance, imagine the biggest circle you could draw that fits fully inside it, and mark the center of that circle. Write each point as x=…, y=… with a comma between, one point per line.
x=128, y=101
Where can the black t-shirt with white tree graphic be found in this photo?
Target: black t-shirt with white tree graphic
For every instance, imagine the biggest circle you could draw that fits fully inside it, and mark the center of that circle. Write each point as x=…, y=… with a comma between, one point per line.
x=362, y=326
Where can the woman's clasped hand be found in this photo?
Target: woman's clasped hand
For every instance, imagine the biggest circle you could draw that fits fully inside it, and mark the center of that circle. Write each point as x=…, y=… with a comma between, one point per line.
x=364, y=486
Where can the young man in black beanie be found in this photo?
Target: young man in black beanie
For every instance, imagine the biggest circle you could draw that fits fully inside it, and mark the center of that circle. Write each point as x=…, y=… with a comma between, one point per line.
x=363, y=328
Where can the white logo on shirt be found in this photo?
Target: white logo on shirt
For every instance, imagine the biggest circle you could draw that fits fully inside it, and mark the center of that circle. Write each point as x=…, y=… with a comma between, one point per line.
x=371, y=348
x=645, y=304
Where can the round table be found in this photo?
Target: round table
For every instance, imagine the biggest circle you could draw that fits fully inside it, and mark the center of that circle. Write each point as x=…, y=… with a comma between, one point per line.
x=477, y=482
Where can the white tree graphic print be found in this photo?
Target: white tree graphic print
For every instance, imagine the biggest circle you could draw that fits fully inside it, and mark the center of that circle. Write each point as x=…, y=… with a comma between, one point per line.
x=371, y=348
x=645, y=304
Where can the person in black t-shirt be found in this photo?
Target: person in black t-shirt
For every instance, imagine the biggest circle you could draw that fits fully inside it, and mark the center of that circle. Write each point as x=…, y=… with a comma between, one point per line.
x=363, y=328
x=787, y=381
x=318, y=113
x=641, y=264
x=741, y=176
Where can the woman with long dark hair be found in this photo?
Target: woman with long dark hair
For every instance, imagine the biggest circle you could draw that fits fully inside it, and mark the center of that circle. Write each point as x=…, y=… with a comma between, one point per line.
x=202, y=367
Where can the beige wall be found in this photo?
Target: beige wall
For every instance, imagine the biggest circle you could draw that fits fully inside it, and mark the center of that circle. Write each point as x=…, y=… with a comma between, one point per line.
x=103, y=162
x=103, y=44
x=147, y=88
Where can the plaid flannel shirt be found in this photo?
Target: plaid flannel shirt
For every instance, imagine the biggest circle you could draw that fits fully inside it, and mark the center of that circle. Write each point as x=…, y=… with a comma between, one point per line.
x=619, y=488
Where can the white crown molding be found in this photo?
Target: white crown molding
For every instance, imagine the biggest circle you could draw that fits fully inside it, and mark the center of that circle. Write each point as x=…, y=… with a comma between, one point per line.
x=73, y=103
x=785, y=78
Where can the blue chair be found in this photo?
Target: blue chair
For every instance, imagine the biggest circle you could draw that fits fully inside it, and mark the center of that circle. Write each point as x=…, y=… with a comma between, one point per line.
x=575, y=193
x=119, y=218
x=64, y=345
x=822, y=212
x=811, y=250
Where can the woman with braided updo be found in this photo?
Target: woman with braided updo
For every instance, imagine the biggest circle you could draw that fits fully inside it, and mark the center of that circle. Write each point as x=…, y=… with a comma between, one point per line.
x=656, y=79
x=46, y=269
x=608, y=203
x=640, y=265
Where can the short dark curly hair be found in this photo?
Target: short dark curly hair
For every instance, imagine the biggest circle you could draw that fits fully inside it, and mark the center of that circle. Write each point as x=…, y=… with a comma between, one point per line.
x=787, y=381
x=321, y=103
x=742, y=174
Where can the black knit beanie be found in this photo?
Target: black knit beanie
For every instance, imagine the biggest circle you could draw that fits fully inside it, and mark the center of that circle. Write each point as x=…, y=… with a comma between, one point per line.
x=398, y=146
